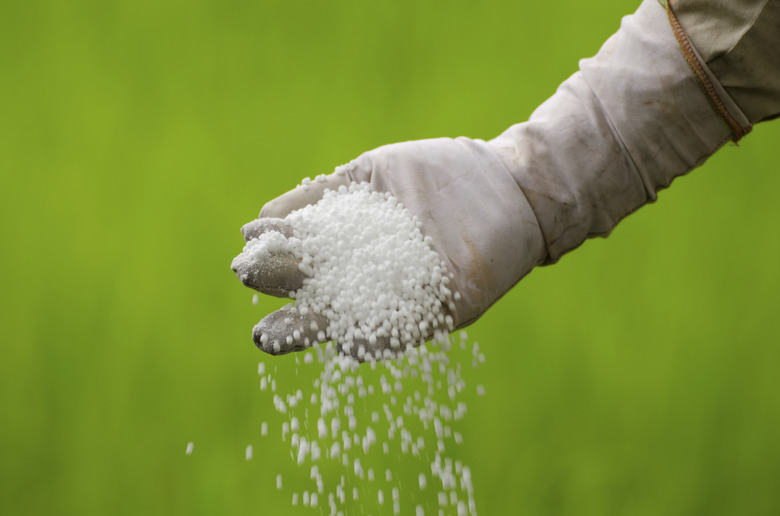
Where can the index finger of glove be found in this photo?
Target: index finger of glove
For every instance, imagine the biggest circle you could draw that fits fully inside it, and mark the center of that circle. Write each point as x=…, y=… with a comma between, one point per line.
x=257, y=227
x=303, y=195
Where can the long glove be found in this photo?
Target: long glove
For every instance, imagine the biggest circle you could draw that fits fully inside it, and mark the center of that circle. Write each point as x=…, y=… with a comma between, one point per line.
x=613, y=134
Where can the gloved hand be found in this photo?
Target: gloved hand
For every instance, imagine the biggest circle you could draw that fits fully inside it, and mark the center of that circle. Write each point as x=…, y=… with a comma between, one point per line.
x=630, y=121
x=480, y=223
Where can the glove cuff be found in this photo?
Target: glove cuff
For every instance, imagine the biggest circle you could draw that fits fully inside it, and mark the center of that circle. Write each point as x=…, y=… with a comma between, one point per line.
x=717, y=95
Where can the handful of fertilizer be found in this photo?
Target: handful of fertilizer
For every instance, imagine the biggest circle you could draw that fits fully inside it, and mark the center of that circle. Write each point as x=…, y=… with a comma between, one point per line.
x=360, y=271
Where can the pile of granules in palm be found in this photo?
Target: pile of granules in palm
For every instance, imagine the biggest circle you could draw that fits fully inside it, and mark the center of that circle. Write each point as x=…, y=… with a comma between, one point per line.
x=372, y=279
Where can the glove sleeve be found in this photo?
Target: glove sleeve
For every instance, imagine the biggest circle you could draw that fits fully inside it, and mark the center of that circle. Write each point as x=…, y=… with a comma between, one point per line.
x=631, y=120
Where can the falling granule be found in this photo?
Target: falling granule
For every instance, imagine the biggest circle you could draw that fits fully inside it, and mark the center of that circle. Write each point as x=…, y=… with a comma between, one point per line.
x=264, y=429
x=346, y=431
x=480, y=390
x=383, y=292
x=190, y=445
x=255, y=300
x=249, y=452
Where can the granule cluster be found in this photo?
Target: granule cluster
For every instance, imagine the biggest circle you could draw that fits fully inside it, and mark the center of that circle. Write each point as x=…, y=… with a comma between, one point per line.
x=369, y=272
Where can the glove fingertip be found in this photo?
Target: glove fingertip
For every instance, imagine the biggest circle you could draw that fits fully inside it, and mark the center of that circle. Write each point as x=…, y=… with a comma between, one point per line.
x=287, y=330
x=277, y=275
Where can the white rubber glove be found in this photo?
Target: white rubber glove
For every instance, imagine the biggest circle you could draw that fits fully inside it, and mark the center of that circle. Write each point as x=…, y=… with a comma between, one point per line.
x=630, y=121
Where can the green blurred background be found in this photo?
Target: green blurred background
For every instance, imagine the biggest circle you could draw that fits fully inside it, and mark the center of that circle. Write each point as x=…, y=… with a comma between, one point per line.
x=637, y=376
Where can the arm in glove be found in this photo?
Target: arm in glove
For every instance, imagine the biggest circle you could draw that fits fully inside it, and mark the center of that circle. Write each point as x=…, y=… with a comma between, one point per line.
x=633, y=118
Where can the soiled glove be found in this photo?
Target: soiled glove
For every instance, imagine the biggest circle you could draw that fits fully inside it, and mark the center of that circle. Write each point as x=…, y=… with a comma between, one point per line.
x=630, y=121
